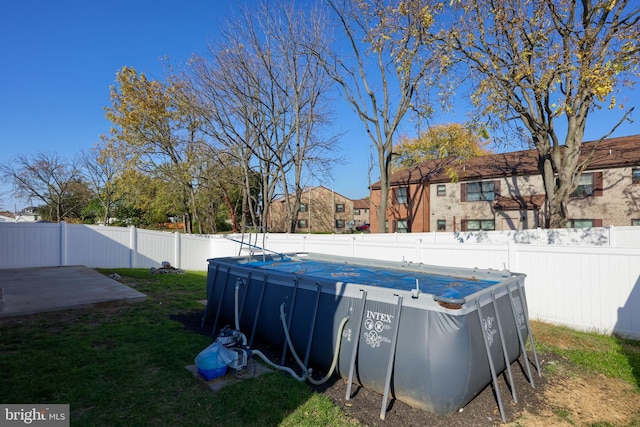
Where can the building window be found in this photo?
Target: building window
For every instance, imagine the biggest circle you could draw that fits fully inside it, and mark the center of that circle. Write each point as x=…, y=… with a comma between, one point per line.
x=402, y=226
x=584, y=223
x=339, y=207
x=442, y=225
x=303, y=207
x=441, y=190
x=585, y=186
x=401, y=195
x=356, y=211
x=302, y=223
x=339, y=223
x=481, y=190
x=478, y=225
x=635, y=177
x=635, y=222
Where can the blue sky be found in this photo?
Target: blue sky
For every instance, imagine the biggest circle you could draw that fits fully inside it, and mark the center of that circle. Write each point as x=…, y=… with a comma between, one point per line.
x=59, y=59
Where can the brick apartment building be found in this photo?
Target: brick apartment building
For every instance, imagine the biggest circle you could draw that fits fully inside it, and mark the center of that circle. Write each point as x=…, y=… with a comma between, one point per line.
x=322, y=210
x=505, y=192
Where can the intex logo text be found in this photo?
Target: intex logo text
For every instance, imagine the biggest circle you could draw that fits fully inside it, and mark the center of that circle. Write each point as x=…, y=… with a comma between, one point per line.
x=379, y=316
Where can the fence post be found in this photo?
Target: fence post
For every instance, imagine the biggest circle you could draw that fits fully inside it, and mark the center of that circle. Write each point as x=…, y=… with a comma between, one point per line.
x=419, y=251
x=133, y=246
x=63, y=243
x=612, y=234
x=176, y=250
x=511, y=255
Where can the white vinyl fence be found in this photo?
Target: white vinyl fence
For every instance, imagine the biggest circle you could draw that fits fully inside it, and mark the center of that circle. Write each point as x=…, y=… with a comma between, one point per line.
x=585, y=279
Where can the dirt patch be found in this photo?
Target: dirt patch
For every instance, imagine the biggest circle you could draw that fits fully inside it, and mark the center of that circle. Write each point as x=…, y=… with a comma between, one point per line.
x=561, y=397
x=586, y=400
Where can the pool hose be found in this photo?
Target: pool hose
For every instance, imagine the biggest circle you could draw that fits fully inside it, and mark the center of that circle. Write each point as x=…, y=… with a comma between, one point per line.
x=306, y=375
x=336, y=352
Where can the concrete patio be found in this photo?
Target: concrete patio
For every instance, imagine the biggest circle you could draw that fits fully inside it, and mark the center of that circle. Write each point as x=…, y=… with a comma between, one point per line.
x=25, y=291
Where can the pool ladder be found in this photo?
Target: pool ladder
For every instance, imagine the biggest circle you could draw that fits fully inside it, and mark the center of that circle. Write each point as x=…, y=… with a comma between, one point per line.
x=251, y=245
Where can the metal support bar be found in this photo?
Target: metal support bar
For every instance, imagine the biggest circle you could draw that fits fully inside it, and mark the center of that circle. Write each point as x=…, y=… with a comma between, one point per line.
x=521, y=340
x=210, y=285
x=392, y=354
x=494, y=377
x=504, y=347
x=296, y=282
x=257, y=315
x=244, y=296
x=354, y=352
x=224, y=288
x=313, y=326
x=523, y=298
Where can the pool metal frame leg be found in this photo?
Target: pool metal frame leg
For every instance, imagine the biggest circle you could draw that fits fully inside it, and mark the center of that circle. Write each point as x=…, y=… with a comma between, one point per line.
x=392, y=354
x=504, y=347
x=312, y=327
x=210, y=285
x=492, y=367
x=244, y=296
x=354, y=351
x=258, y=308
x=296, y=282
x=521, y=340
x=224, y=288
x=523, y=299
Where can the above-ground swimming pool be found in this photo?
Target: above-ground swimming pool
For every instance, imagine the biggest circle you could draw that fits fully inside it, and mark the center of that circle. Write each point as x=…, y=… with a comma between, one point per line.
x=432, y=337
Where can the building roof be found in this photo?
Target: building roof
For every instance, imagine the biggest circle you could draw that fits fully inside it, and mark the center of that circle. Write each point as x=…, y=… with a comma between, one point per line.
x=317, y=189
x=609, y=153
x=361, y=204
x=519, y=202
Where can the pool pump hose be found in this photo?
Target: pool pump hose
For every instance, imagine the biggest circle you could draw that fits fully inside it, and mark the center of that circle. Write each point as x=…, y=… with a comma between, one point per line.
x=336, y=352
x=306, y=374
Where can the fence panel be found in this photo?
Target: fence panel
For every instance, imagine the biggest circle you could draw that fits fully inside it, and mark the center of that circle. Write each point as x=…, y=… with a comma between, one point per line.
x=153, y=247
x=96, y=246
x=585, y=288
x=193, y=252
x=493, y=256
x=29, y=245
x=592, y=286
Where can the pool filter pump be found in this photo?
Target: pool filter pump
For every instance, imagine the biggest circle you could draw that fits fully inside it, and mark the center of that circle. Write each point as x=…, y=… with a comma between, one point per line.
x=233, y=340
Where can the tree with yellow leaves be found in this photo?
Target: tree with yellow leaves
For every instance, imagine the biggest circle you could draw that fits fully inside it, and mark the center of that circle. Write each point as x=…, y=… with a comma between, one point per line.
x=437, y=142
x=535, y=62
x=158, y=135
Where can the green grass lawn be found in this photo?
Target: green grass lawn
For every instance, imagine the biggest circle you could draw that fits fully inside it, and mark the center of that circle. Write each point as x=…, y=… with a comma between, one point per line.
x=125, y=365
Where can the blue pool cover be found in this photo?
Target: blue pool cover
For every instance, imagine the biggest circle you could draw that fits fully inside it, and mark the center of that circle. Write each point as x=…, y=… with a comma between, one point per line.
x=404, y=279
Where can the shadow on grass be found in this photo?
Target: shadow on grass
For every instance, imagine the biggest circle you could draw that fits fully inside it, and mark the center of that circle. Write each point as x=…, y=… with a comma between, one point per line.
x=628, y=318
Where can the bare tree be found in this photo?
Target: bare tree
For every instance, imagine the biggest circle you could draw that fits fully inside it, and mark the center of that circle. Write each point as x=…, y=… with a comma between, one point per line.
x=264, y=99
x=533, y=62
x=231, y=112
x=48, y=178
x=100, y=167
x=386, y=72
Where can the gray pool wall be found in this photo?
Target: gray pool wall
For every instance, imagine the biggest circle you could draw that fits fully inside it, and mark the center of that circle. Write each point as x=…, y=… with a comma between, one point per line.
x=440, y=362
